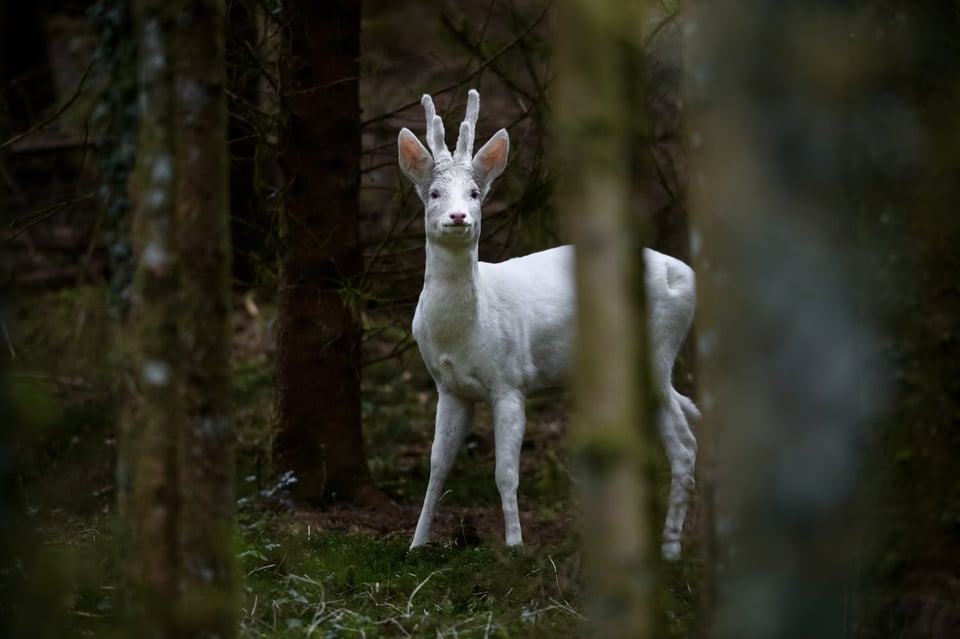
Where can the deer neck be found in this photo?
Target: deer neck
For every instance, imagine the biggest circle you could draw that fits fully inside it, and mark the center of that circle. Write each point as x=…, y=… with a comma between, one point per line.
x=450, y=300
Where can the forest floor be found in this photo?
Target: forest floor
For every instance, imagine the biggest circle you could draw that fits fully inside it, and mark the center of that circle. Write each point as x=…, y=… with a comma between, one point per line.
x=341, y=571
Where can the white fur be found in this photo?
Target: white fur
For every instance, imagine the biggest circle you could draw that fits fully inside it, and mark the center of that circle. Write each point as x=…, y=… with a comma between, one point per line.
x=498, y=332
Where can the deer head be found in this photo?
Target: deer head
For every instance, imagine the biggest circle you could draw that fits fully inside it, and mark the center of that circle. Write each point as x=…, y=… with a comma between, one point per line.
x=452, y=186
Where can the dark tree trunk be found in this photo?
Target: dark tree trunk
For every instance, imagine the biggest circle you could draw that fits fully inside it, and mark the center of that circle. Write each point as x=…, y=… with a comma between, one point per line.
x=910, y=231
x=152, y=428
x=317, y=430
x=206, y=462
x=177, y=439
x=824, y=200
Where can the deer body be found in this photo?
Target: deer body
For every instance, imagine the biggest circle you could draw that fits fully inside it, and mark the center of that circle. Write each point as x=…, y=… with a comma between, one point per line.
x=498, y=332
x=483, y=328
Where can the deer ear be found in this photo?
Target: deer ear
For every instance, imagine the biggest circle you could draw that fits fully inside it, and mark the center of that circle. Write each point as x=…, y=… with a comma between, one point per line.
x=491, y=159
x=415, y=160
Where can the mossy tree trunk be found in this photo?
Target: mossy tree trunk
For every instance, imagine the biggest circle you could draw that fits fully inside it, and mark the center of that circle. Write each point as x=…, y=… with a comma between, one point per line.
x=601, y=123
x=206, y=460
x=909, y=231
x=786, y=381
x=317, y=429
x=178, y=450
x=153, y=426
x=824, y=194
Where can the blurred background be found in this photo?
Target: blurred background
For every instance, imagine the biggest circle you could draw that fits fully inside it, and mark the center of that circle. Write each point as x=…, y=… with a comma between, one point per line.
x=802, y=156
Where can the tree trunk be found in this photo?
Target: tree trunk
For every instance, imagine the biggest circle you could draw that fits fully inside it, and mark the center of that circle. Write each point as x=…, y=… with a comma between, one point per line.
x=317, y=429
x=602, y=140
x=207, y=570
x=178, y=442
x=827, y=235
x=152, y=434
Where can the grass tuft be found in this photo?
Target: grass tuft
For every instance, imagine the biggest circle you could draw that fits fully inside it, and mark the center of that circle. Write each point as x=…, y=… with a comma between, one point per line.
x=341, y=584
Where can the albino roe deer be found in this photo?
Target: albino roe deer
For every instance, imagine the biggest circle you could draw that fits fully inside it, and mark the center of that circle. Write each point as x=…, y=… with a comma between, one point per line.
x=498, y=332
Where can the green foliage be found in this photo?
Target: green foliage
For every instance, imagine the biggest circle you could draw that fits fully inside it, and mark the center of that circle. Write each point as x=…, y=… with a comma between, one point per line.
x=64, y=401
x=297, y=578
x=68, y=332
x=304, y=583
x=34, y=404
x=553, y=483
x=65, y=587
x=679, y=594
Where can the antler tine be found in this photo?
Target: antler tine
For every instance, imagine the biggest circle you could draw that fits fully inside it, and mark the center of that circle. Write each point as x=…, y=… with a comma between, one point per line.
x=428, y=108
x=468, y=127
x=435, y=132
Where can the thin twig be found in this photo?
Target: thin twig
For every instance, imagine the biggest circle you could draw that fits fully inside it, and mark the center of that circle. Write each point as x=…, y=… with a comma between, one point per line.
x=58, y=208
x=483, y=65
x=417, y=589
x=66, y=105
x=6, y=336
x=63, y=380
x=664, y=179
x=46, y=213
x=97, y=225
x=402, y=347
x=261, y=568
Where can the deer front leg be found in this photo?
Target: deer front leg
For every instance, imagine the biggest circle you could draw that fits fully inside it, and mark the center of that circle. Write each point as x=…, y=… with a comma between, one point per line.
x=509, y=424
x=454, y=416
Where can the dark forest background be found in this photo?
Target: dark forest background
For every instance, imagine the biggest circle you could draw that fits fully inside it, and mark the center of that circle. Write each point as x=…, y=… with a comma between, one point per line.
x=214, y=420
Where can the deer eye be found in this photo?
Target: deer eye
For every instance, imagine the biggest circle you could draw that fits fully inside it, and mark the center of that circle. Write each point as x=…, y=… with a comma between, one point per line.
x=474, y=193
x=434, y=194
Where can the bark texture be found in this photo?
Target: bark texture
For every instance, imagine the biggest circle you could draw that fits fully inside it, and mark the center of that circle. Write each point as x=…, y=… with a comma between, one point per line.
x=206, y=461
x=317, y=428
x=152, y=428
x=827, y=235
x=601, y=127
x=176, y=468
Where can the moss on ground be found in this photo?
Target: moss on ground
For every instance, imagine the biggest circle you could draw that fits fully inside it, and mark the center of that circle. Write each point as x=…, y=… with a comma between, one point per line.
x=303, y=574
x=308, y=583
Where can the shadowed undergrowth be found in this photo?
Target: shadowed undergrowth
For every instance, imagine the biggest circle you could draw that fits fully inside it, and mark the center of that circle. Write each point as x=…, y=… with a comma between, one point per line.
x=303, y=582
x=344, y=571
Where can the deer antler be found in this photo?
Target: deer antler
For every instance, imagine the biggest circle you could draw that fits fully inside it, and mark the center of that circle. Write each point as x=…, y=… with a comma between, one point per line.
x=468, y=127
x=435, y=133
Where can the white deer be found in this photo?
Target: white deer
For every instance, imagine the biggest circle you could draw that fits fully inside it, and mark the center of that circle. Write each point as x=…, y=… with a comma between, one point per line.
x=498, y=332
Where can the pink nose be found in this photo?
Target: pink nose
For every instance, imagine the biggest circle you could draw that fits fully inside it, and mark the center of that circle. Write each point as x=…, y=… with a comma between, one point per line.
x=458, y=218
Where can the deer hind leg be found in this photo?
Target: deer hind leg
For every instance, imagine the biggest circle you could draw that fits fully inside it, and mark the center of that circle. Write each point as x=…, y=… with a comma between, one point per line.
x=509, y=424
x=454, y=416
x=681, y=447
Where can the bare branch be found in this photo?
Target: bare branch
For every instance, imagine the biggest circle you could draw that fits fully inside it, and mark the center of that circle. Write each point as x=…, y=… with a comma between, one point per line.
x=53, y=118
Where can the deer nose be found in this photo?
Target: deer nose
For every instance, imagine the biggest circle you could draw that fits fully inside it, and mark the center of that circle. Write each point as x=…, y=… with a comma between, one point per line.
x=458, y=218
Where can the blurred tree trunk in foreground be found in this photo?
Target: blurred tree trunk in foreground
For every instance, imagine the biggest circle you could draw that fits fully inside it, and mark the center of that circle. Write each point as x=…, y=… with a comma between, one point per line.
x=824, y=193
x=152, y=428
x=179, y=451
x=603, y=142
x=206, y=459
x=317, y=428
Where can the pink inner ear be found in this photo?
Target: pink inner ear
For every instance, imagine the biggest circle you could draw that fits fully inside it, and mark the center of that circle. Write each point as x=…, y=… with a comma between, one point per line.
x=494, y=154
x=413, y=153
